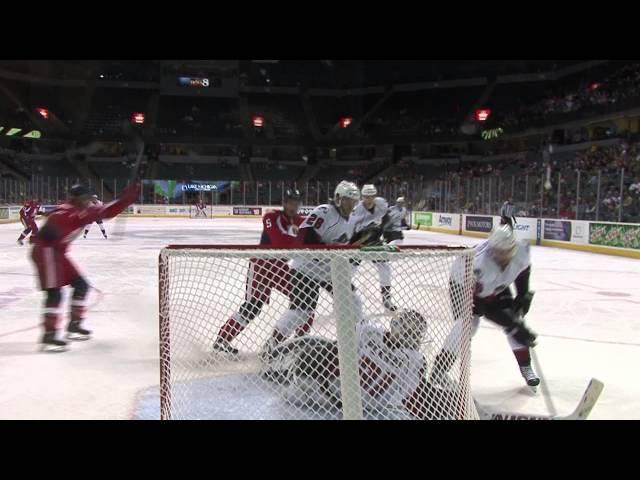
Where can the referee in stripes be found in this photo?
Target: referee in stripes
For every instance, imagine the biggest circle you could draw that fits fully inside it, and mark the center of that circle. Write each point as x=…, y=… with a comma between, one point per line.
x=506, y=212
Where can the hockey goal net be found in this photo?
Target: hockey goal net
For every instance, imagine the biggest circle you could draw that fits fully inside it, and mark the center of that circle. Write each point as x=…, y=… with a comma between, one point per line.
x=196, y=212
x=350, y=357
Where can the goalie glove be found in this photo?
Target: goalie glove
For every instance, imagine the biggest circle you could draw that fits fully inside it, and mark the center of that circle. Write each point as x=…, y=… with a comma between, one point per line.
x=522, y=303
x=521, y=334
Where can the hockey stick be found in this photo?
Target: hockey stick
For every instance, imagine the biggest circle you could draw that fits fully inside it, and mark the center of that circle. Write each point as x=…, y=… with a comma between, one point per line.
x=135, y=171
x=546, y=394
x=581, y=412
x=98, y=299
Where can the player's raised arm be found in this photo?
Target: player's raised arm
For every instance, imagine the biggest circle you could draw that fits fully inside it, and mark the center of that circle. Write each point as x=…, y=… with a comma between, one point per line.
x=111, y=209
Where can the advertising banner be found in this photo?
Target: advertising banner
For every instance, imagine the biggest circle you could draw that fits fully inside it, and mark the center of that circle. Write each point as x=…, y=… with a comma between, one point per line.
x=178, y=209
x=614, y=235
x=173, y=189
x=474, y=223
x=557, y=230
x=216, y=210
x=151, y=209
x=422, y=218
x=580, y=232
x=247, y=211
x=444, y=220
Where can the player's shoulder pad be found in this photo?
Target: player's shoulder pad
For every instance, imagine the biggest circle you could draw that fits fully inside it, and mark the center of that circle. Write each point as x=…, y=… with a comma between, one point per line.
x=381, y=202
x=321, y=209
x=271, y=214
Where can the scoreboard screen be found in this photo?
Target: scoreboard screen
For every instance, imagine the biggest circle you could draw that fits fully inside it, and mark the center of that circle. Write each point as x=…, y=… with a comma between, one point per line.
x=197, y=82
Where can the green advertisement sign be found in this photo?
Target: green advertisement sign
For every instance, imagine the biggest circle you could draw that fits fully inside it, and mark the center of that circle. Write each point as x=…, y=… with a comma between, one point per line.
x=422, y=218
x=614, y=235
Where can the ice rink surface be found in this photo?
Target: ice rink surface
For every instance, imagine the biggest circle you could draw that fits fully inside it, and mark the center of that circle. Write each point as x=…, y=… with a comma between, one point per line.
x=585, y=312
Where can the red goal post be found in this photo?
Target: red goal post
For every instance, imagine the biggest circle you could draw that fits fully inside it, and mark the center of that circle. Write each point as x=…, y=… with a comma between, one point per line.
x=202, y=286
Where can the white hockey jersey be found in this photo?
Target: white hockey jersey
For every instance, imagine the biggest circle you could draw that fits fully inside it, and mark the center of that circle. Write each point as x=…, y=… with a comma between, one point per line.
x=396, y=216
x=330, y=227
x=388, y=376
x=489, y=277
x=364, y=217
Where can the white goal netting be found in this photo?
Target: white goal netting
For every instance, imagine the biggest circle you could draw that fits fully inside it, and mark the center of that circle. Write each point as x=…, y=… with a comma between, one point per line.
x=195, y=211
x=332, y=333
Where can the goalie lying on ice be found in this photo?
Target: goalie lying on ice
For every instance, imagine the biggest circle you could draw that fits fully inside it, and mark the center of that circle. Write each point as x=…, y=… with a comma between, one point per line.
x=392, y=372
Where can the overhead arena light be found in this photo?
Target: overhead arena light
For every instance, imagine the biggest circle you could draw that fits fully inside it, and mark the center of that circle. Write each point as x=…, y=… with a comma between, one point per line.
x=137, y=118
x=257, y=121
x=482, y=114
x=345, y=122
x=44, y=113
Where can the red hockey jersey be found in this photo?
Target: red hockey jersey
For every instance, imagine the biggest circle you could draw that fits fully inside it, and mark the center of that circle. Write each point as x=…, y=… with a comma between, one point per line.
x=279, y=230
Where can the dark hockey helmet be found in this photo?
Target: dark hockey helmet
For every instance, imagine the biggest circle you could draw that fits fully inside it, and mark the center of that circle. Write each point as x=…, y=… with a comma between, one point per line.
x=292, y=194
x=78, y=191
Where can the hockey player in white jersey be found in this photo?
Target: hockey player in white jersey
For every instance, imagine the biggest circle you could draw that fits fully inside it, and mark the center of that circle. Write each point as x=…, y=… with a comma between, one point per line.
x=98, y=203
x=328, y=224
x=396, y=223
x=370, y=219
x=498, y=263
x=392, y=371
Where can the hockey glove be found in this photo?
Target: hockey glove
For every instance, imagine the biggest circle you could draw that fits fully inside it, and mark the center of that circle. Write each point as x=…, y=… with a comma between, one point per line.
x=521, y=334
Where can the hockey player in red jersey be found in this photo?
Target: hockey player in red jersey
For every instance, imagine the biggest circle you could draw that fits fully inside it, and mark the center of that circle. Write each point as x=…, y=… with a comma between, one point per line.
x=280, y=230
x=28, y=218
x=56, y=270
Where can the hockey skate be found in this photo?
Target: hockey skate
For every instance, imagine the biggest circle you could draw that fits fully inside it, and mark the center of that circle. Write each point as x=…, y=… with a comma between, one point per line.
x=50, y=344
x=530, y=377
x=105, y=236
x=76, y=332
x=222, y=346
x=20, y=242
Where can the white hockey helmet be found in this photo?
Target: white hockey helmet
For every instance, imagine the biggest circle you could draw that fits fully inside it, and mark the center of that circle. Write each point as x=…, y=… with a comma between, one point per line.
x=369, y=190
x=346, y=190
x=400, y=200
x=502, y=238
x=503, y=243
x=408, y=328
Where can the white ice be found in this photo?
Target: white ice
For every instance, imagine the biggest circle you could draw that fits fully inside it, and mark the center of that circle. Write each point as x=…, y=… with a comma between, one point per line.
x=585, y=312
